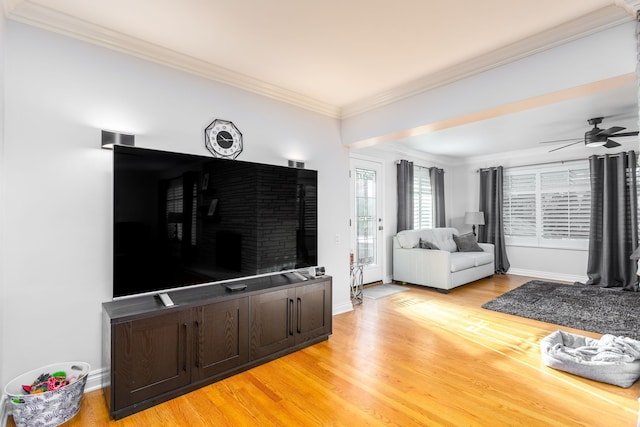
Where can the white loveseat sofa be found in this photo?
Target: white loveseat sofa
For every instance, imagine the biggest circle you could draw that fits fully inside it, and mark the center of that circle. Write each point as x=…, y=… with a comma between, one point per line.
x=443, y=268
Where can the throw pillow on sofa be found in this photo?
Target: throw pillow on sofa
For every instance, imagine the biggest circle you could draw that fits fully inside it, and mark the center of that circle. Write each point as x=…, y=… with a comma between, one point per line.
x=467, y=243
x=423, y=244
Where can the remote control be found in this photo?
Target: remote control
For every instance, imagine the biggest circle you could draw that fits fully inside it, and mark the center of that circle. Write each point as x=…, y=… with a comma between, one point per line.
x=166, y=300
x=299, y=275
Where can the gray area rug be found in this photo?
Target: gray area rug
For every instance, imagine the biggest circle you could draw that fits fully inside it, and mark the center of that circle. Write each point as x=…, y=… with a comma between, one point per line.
x=601, y=310
x=381, y=291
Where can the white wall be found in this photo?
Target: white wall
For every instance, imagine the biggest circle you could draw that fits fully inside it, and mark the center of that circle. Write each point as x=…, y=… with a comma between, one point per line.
x=57, y=223
x=562, y=67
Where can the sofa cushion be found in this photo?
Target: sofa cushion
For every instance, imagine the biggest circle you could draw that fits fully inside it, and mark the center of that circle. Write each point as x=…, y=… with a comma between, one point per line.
x=441, y=237
x=408, y=239
x=482, y=258
x=423, y=244
x=462, y=261
x=467, y=243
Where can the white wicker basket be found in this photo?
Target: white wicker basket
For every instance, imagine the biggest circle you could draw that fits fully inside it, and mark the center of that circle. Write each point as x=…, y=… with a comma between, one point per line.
x=50, y=408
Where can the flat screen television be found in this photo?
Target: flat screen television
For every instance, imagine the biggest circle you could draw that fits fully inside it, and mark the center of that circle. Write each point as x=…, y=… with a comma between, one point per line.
x=186, y=220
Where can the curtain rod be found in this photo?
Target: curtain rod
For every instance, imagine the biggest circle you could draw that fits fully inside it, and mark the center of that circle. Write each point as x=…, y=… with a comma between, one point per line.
x=556, y=162
x=440, y=170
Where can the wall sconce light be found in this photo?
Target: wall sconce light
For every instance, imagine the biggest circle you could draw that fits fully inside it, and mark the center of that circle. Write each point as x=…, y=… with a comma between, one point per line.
x=296, y=164
x=473, y=218
x=109, y=139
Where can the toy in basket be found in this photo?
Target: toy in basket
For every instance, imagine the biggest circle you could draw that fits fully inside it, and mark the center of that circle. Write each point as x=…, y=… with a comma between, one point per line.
x=47, y=396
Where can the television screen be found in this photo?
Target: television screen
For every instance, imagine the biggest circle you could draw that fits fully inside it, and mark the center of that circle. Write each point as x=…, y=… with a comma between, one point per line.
x=182, y=220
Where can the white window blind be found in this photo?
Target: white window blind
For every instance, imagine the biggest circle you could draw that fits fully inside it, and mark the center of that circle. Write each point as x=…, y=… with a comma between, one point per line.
x=520, y=205
x=548, y=206
x=422, y=198
x=566, y=204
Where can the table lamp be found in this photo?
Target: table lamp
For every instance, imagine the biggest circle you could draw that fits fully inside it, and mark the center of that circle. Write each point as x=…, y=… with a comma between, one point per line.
x=473, y=218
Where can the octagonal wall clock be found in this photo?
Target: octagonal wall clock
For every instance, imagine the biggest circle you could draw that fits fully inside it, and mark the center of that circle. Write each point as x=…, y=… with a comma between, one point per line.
x=223, y=139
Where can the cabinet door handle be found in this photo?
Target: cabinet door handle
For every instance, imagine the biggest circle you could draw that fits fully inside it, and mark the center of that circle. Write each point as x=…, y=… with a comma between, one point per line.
x=184, y=347
x=290, y=316
x=299, y=320
x=197, y=340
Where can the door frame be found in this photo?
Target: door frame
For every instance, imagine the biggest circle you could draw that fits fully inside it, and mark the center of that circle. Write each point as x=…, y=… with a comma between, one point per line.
x=382, y=243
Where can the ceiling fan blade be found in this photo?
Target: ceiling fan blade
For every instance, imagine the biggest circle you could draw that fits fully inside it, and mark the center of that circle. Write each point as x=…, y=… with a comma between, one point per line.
x=625, y=134
x=610, y=131
x=562, y=140
x=565, y=146
x=611, y=143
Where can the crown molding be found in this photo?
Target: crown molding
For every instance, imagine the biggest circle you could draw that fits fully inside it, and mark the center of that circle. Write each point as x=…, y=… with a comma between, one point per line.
x=9, y=5
x=30, y=13
x=39, y=16
x=599, y=20
x=631, y=5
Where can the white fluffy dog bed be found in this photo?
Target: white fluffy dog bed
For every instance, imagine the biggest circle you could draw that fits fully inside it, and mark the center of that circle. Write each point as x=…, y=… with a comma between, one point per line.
x=612, y=360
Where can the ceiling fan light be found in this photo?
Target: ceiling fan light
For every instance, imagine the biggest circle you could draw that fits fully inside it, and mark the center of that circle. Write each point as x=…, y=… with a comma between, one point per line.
x=595, y=143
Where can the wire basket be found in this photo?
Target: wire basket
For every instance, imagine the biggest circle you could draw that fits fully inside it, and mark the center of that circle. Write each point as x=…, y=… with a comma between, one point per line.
x=50, y=408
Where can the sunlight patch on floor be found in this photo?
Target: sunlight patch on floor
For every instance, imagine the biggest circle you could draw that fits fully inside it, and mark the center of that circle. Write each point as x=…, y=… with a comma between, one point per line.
x=521, y=347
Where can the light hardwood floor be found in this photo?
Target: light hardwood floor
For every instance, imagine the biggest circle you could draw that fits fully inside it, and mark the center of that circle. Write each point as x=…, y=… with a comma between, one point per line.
x=417, y=358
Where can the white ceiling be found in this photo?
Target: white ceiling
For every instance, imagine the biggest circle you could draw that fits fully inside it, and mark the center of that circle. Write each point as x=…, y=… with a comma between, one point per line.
x=525, y=130
x=342, y=56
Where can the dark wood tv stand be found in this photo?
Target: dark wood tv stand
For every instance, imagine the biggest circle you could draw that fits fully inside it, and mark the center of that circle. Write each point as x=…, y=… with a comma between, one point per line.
x=152, y=353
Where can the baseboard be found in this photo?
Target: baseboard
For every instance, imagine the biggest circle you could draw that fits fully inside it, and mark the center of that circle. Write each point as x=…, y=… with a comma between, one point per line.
x=342, y=308
x=94, y=380
x=548, y=275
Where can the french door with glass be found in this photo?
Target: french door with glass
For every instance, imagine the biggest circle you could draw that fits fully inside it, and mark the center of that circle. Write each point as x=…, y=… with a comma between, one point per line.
x=366, y=218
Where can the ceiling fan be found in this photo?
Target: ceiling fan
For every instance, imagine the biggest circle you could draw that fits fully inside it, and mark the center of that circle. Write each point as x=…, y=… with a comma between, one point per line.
x=596, y=137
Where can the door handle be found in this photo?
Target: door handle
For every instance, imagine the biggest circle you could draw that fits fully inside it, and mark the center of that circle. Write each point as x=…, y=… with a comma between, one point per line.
x=299, y=320
x=184, y=347
x=290, y=316
x=197, y=340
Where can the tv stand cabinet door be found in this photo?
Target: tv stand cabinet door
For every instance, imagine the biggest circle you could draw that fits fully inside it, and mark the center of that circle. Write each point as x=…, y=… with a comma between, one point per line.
x=150, y=357
x=313, y=311
x=221, y=334
x=272, y=328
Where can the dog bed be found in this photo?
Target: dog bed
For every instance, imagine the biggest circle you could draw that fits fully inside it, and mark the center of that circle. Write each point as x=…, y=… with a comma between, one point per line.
x=612, y=360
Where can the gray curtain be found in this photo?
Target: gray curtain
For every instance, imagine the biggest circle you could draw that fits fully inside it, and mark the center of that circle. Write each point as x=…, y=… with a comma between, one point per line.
x=613, y=232
x=491, y=198
x=437, y=189
x=405, y=195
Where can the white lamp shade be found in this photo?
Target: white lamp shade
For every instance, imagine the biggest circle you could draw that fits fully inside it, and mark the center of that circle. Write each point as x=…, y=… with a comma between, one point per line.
x=474, y=218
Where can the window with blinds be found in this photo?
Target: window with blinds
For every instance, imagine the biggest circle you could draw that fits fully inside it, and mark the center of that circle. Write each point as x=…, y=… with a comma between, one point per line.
x=520, y=205
x=422, y=198
x=549, y=206
x=566, y=204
